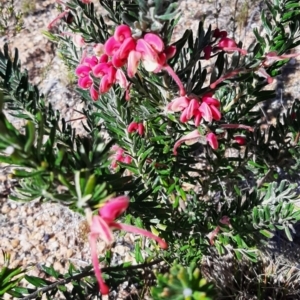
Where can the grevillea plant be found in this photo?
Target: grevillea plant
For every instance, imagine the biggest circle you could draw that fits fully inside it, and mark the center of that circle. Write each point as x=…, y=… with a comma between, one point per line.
x=188, y=164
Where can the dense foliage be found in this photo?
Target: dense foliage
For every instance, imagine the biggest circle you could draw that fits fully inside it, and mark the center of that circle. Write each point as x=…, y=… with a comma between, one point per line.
x=186, y=145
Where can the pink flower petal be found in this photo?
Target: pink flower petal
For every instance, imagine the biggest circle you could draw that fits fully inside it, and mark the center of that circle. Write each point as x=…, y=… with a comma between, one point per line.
x=146, y=50
x=117, y=61
x=85, y=82
x=192, y=108
x=83, y=71
x=206, y=112
x=133, y=62
x=184, y=116
x=94, y=93
x=210, y=101
x=101, y=69
x=121, y=79
x=154, y=41
x=78, y=40
x=194, y=135
x=178, y=104
x=122, y=32
x=104, y=289
x=133, y=126
x=114, y=208
x=101, y=228
x=127, y=46
x=141, y=129
x=241, y=140
x=98, y=49
x=111, y=46
x=105, y=84
x=216, y=114
x=170, y=52
x=227, y=42
x=212, y=140
x=103, y=58
x=198, y=117
x=127, y=160
x=91, y=61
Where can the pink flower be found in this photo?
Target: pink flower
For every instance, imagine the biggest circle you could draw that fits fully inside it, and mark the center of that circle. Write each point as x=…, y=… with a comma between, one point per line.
x=210, y=101
x=111, y=46
x=170, y=51
x=141, y=129
x=119, y=155
x=189, y=108
x=94, y=93
x=121, y=79
x=132, y=127
x=105, y=84
x=212, y=140
x=150, y=56
x=103, y=225
x=122, y=32
x=136, y=127
x=85, y=66
x=229, y=45
x=241, y=140
x=178, y=104
x=133, y=62
x=85, y=82
x=120, y=57
x=190, y=138
x=206, y=112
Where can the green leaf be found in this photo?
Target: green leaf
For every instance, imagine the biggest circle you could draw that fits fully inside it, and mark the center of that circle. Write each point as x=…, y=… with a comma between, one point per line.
x=36, y=281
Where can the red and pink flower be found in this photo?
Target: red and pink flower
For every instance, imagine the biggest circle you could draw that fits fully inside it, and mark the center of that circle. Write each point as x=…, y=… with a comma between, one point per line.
x=103, y=225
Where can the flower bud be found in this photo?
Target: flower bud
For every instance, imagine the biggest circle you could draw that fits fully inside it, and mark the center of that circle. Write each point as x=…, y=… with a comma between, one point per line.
x=241, y=140
x=212, y=140
x=133, y=126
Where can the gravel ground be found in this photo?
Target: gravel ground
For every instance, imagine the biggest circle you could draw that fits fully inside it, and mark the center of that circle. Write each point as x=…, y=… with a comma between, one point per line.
x=35, y=233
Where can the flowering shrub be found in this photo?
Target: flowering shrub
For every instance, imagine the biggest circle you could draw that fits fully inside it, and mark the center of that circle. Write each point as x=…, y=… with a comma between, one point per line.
x=172, y=128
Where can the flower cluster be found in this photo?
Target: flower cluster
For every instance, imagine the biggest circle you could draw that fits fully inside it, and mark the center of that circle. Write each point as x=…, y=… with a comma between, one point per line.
x=205, y=108
x=136, y=127
x=103, y=225
x=119, y=155
x=192, y=107
x=124, y=50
